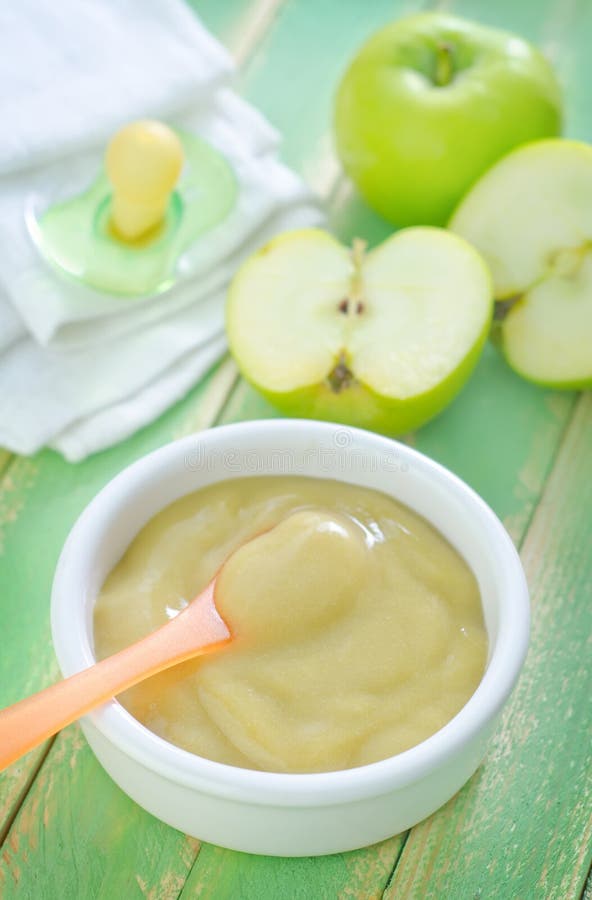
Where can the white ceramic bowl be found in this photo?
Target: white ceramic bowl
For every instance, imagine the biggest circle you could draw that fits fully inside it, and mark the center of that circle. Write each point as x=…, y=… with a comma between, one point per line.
x=260, y=812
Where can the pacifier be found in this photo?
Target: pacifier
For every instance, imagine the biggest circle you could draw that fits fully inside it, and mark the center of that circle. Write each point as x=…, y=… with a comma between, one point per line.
x=161, y=189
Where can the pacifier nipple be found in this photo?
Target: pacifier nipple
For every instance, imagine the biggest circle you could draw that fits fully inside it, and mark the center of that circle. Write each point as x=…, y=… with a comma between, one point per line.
x=143, y=163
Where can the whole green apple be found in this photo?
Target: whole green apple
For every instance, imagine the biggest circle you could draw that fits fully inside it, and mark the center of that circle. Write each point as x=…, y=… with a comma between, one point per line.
x=429, y=103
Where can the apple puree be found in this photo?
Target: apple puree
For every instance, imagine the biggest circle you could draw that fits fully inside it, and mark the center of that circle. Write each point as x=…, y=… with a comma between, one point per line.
x=358, y=630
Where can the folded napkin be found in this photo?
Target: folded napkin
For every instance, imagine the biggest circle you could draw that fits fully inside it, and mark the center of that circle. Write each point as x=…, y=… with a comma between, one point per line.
x=80, y=369
x=71, y=72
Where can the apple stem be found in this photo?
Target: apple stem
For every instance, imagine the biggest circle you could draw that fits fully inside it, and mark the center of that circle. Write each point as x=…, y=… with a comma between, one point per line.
x=358, y=249
x=444, y=64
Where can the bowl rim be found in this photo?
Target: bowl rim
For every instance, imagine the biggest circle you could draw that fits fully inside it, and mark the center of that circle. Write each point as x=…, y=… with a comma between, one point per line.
x=119, y=727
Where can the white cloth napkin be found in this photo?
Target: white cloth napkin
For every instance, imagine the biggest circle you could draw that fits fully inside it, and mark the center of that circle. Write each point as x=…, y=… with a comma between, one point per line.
x=71, y=72
x=79, y=369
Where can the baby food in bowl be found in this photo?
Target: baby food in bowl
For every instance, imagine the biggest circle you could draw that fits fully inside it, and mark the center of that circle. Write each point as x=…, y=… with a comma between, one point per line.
x=358, y=629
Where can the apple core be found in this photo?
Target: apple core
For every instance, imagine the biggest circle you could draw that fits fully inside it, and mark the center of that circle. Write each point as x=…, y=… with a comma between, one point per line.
x=382, y=339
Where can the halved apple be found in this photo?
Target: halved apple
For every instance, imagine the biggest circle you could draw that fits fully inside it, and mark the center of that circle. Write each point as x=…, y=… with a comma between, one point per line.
x=382, y=340
x=531, y=218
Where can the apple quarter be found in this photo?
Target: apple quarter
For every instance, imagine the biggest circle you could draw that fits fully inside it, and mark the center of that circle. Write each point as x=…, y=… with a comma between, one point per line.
x=530, y=217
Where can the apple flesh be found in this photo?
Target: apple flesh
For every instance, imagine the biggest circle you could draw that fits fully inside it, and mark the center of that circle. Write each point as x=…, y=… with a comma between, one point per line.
x=432, y=101
x=382, y=340
x=531, y=218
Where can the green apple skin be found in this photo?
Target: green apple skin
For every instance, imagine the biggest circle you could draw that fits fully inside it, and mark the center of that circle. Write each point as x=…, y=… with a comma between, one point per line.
x=361, y=407
x=429, y=103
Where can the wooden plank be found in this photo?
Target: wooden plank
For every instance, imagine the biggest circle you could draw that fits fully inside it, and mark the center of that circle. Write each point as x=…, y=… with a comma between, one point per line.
x=80, y=837
x=522, y=826
x=5, y=458
x=197, y=417
x=223, y=875
x=473, y=852
x=543, y=21
x=240, y=24
x=574, y=67
x=40, y=498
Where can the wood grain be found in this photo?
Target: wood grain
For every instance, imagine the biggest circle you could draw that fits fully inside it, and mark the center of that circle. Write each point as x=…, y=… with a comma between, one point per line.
x=5, y=458
x=523, y=424
x=223, y=875
x=522, y=828
x=587, y=895
x=79, y=837
x=196, y=417
x=507, y=858
x=76, y=835
x=497, y=410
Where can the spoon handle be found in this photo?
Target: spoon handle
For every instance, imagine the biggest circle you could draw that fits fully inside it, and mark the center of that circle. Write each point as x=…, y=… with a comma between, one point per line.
x=198, y=629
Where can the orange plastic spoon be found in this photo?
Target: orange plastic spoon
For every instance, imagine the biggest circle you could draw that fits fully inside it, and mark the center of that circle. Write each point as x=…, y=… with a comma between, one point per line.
x=196, y=630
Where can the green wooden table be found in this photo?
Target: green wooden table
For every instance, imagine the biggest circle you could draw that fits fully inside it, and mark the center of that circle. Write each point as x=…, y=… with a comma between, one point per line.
x=521, y=827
